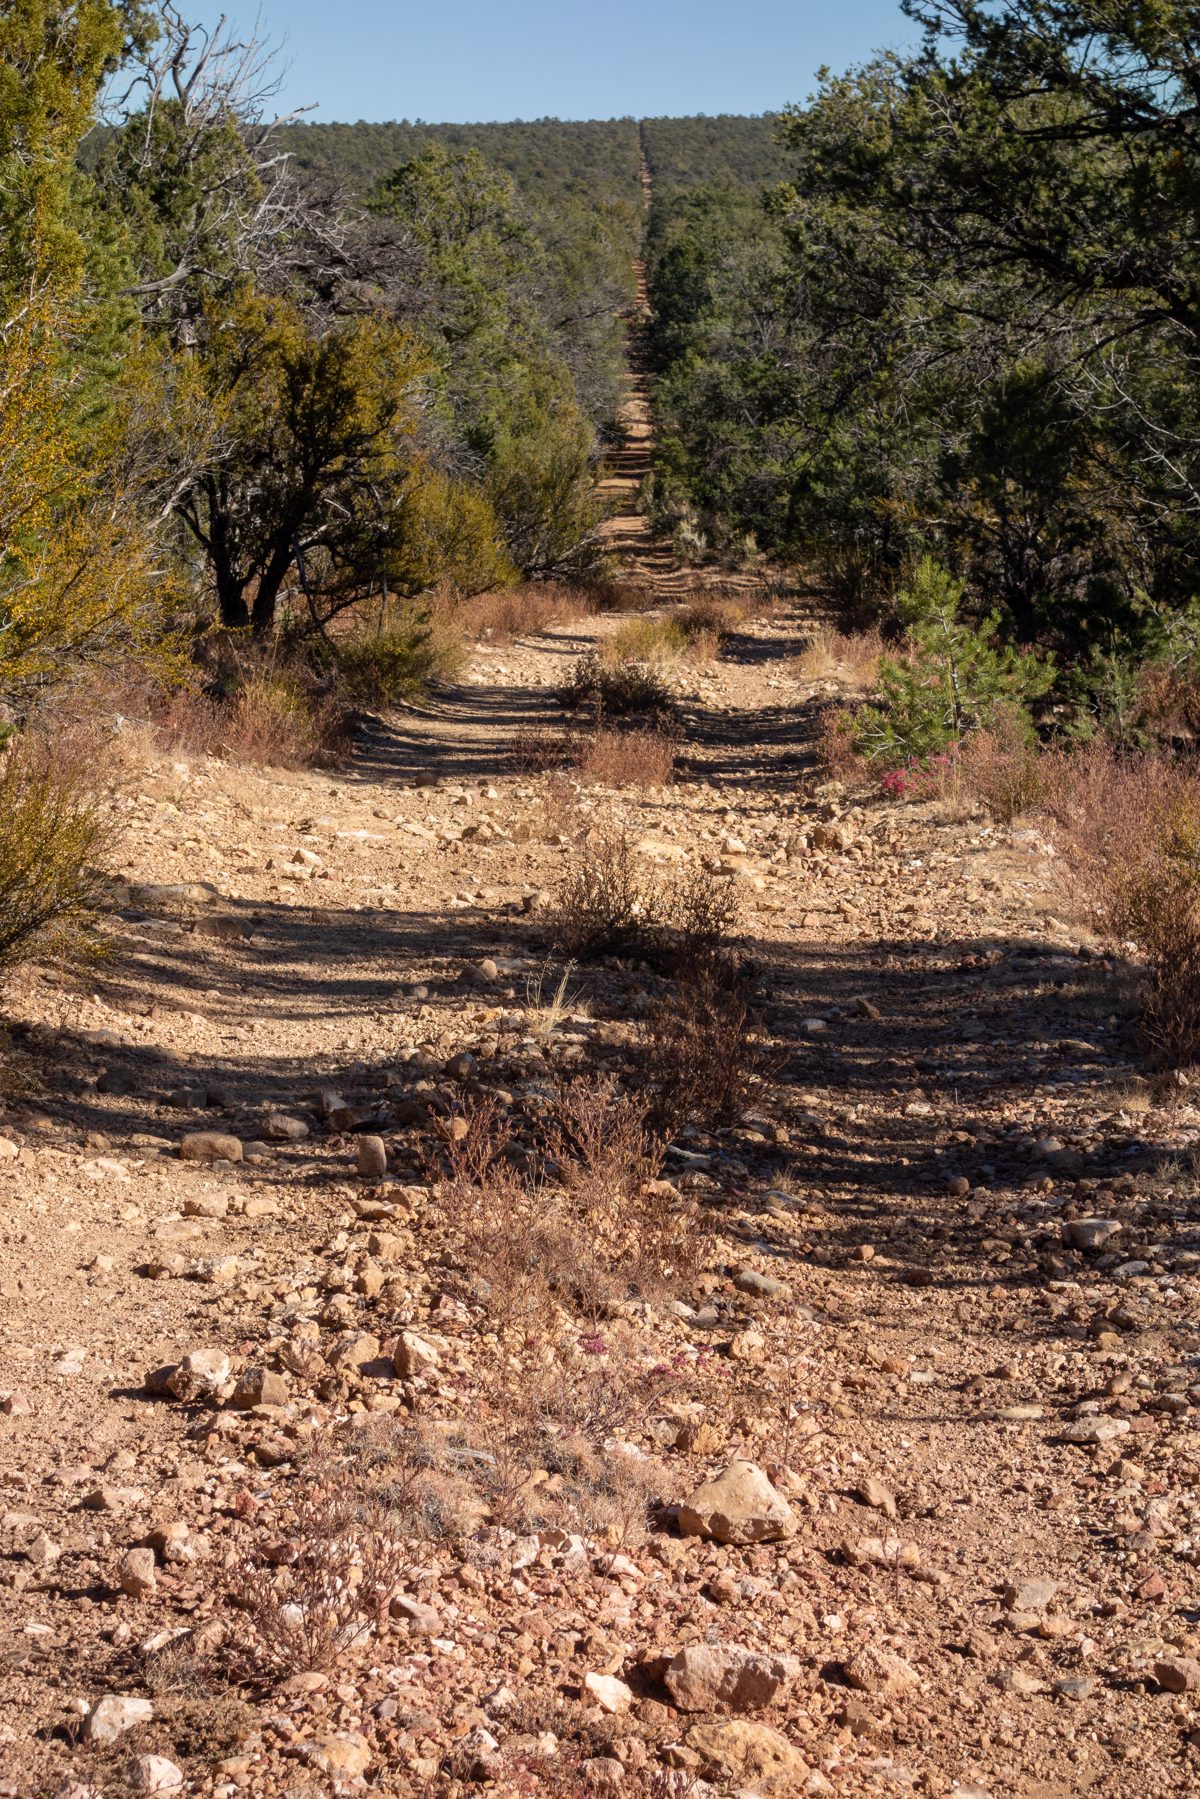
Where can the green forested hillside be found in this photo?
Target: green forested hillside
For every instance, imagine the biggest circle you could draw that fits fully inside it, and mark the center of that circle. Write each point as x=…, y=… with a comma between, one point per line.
x=549, y=159
x=556, y=159
x=692, y=152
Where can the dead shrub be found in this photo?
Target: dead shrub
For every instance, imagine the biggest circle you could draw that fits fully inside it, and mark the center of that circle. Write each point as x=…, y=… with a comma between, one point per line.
x=1004, y=768
x=270, y=720
x=616, y=1229
x=610, y=903
x=54, y=833
x=702, y=1050
x=610, y=594
x=606, y=905
x=704, y=913
x=317, y=1588
x=610, y=758
x=1130, y=830
x=849, y=658
x=835, y=751
x=554, y=814
x=711, y=618
x=535, y=749
x=621, y=691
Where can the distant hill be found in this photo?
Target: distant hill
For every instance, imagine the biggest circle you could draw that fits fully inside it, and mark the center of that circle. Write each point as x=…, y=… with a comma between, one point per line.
x=729, y=148
x=594, y=160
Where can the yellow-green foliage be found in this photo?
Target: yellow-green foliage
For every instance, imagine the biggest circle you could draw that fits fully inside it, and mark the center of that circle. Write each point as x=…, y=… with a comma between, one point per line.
x=448, y=533
x=647, y=640
x=411, y=648
x=77, y=577
x=52, y=835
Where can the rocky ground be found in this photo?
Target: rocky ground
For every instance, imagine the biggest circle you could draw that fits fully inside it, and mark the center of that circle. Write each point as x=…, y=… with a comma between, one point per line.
x=888, y=1487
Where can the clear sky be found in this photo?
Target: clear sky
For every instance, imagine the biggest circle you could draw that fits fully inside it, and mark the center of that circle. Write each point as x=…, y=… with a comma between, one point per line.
x=472, y=60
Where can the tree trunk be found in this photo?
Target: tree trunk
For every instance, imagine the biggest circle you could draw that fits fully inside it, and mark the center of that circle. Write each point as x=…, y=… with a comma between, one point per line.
x=262, y=618
x=231, y=601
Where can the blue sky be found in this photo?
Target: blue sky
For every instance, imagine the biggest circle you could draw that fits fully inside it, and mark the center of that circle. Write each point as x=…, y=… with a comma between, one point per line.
x=470, y=60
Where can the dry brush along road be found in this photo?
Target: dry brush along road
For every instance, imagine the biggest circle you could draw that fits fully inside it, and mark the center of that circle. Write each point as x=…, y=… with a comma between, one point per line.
x=852, y=1449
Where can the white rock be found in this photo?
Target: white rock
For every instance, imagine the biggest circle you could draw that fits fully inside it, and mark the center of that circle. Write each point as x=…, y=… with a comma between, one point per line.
x=110, y=1717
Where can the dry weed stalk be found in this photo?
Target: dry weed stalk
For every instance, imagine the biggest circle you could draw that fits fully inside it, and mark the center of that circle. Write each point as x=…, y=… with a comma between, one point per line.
x=321, y=1589
x=702, y=1050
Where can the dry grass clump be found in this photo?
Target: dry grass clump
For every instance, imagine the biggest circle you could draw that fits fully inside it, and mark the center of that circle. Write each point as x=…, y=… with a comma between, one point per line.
x=654, y=641
x=711, y=618
x=623, y=690
x=523, y=611
x=1130, y=835
x=852, y=659
x=610, y=758
x=54, y=833
x=270, y=721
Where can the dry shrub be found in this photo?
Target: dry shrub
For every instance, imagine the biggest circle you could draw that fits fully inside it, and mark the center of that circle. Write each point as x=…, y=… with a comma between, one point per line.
x=648, y=640
x=1130, y=832
x=269, y=721
x=711, y=617
x=319, y=1587
x=524, y=611
x=623, y=690
x=851, y=659
x=536, y=748
x=54, y=831
x=611, y=903
x=611, y=758
x=702, y=1050
x=554, y=814
x=616, y=1228
x=606, y=905
x=834, y=745
x=704, y=913
x=1004, y=768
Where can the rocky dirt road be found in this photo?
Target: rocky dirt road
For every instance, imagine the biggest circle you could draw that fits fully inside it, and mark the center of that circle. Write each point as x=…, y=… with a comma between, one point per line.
x=949, y=1313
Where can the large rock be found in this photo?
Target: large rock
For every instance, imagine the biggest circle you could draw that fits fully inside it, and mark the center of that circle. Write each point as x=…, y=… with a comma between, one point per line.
x=739, y=1506
x=1178, y=1673
x=110, y=1717
x=753, y=1756
x=347, y=1754
x=709, y=1677
x=137, y=1574
x=372, y=1158
x=200, y=1373
x=871, y=1669
x=413, y=1356
x=155, y=1774
x=609, y=1693
x=210, y=1146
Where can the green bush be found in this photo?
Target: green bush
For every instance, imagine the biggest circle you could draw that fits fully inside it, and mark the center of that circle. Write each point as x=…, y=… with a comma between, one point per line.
x=952, y=677
x=53, y=834
x=413, y=648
